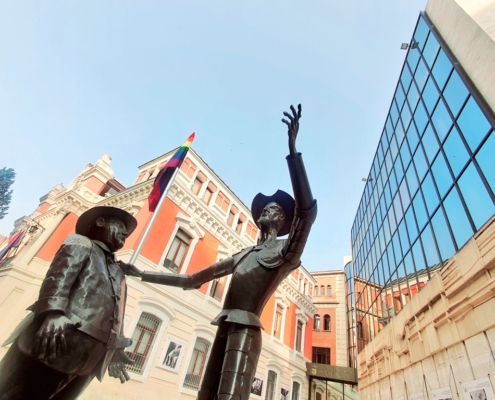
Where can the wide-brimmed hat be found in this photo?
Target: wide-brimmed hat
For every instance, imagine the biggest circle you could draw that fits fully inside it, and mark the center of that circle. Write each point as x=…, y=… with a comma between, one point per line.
x=282, y=198
x=87, y=220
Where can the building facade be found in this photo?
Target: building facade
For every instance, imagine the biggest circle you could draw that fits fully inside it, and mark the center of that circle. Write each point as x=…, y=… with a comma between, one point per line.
x=330, y=345
x=201, y=222
x=425, y=216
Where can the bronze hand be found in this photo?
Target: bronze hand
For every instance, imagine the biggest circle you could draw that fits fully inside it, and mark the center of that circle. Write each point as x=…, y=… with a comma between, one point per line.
x=293, y=127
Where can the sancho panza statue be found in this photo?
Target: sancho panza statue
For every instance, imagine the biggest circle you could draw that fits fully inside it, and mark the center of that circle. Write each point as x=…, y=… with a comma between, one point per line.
x=256, y=273
x=74, y=332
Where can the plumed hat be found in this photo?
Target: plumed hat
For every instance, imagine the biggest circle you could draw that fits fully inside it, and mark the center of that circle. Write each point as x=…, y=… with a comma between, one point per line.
x=282, y=198
x=87, y=220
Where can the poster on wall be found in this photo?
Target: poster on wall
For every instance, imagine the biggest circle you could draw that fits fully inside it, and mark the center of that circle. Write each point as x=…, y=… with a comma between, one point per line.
x=173, y=353
x=417, y=396
x=480, y=389
x=284, y=393
x=442, y=394
x=257, y=386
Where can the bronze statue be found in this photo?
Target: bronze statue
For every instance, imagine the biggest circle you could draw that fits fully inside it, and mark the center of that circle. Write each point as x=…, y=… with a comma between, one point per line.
x=256, y=273
x=75, y=329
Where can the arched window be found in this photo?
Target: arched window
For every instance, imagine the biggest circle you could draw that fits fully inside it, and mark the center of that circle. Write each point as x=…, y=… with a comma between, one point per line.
x=316, y=324
x=316, y=290
x=271, y=385
x=326, y=322
x=322, y=290
x=197, y=363
x=359, y=328
x=329, y=290
x=143, y=338
x=177, y=251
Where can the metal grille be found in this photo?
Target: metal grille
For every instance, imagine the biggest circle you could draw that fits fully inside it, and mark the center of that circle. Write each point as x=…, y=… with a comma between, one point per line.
x=143, y=338
x=197, y=364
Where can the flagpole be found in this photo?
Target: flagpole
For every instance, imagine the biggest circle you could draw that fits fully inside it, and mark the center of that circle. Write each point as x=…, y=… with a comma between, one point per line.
x=152, y=220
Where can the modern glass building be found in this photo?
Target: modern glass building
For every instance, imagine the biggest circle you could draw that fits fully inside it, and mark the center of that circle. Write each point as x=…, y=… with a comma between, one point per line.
x=430, y=188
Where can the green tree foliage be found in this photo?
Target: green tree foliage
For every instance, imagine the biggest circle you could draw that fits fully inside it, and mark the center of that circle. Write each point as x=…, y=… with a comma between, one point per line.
x=7, y=176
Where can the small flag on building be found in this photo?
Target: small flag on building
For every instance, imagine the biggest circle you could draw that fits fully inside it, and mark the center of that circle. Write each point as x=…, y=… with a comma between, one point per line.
x=13, y=243
x=163, y=178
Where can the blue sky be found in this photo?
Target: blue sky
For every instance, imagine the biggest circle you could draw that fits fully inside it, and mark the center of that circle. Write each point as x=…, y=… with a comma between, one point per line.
x=134, y=79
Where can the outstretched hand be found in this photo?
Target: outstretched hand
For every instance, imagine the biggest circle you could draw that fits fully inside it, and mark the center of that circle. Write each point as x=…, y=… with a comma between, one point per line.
x=50, y=339
x=293, y=127
x=116, y=369
x=130, y=269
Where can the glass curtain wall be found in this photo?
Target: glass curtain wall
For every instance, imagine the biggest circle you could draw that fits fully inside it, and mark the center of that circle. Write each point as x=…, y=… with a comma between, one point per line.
x=431, y=185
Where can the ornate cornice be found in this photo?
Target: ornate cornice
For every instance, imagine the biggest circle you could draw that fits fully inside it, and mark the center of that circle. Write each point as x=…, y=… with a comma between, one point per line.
x=298, y=298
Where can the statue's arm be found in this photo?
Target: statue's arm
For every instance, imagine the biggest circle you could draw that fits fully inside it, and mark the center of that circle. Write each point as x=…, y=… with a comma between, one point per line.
x=191, y=281
x=306, y=207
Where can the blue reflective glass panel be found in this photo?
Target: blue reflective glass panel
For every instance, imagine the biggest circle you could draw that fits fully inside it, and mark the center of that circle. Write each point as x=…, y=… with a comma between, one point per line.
x=420, y=211
x=421, y=33
x=419, y=261
x=394, y=114
x=474, y=126
x=412, y=181
x=411, y=224
x=408, y=264
x=398, y=208
x=404, y=194
x=420, y=163
x=405, y=155
x=412, y=138
x=420, y=118
x=442, y=176
x=430, y=95
x=397, y=248
x=421, y=75
x=412, y=59
x=399, y=132
x=477, y=199
x=404, y=238
x=393, y=183
x=456, y=152
x=459, y=223
x=406, y=116
x=399, y=97
x=405, y=78
x=486, y=160
x=399, y=172
x=455, y=93
x=441, y=120
x=393, y=148
x=390, y=129
x=413, y=97
x=431, y=49
x=442, y=69
x=430, y=143
x=429, y=193
x=442, y=235
x=429, y=247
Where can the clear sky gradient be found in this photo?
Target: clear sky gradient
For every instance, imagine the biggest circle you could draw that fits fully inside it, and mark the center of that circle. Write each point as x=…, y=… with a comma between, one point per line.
x=133, y=79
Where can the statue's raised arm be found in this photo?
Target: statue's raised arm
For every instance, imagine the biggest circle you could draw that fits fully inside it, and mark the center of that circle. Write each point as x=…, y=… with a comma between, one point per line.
x=293, y=127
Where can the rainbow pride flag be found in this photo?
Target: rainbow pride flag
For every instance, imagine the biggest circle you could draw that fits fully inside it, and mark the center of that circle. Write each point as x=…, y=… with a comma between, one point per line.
x=165, y=175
